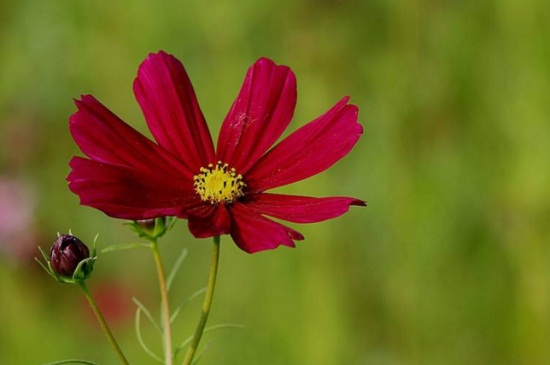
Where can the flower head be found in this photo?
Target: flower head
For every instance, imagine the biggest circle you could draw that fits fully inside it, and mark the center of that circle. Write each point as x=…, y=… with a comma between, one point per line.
x=219, y=191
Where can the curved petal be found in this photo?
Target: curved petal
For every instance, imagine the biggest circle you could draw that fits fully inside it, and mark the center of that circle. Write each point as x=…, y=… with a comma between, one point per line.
x=167, y=99
x=104, y=137
x=300, y=209
x=128, y=193
x=310, y=150
x=254, y=233
x=260, y=114
x=208, y=220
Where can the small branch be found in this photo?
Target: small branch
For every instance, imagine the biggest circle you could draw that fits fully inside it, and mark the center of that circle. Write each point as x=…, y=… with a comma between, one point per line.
x=103, y=323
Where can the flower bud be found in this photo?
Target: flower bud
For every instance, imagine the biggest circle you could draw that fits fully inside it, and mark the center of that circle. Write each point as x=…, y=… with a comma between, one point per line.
x=152, y=229
x=66, y=253
x=148, y=225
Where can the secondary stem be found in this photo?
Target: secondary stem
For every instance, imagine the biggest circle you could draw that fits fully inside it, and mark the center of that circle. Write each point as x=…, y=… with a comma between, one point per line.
x=166, y=328
x=103, y=323
x=206, y=304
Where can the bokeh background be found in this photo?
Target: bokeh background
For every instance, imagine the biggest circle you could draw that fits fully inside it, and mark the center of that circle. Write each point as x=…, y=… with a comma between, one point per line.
x=449, y=264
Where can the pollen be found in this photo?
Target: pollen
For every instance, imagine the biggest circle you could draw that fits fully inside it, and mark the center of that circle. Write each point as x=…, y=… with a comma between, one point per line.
x=219, y=184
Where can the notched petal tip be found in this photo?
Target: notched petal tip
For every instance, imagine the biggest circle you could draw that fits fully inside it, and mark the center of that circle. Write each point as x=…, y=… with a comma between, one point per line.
x=85, y=99
x=156, y=59
x=265, y=60
x=295, y=235
x=358, y=203
x=160, y=52
x=354, y=109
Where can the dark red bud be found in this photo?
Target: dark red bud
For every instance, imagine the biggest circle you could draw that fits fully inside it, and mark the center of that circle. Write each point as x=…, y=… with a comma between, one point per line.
x=150, y=228
x=66, y=253
x=147, y=224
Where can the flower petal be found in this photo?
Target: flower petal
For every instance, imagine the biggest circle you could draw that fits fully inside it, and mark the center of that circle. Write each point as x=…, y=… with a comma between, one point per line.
x=310, y=150
x=166, y=96
x=128, y=193
x=260, y=114
x=300, y=209
x=254, y=233
x=208, y=220
x=104, y=137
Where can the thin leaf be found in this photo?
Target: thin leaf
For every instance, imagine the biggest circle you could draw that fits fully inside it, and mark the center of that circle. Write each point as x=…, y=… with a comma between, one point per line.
x=185, y=302
x=223, y=326
x=140, y=339
x=175, y=268
x=72, y=361
x=125, y=246
x=94, y=245
x=201, y=353
x=208, y=329
x=147, y=313
x=44, y=267
x=171, y=222
x=44, y=254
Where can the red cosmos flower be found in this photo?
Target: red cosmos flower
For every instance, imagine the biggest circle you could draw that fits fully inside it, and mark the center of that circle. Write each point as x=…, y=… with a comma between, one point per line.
x=222, y=191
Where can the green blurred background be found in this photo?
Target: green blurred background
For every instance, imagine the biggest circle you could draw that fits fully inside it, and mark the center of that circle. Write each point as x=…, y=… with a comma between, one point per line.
x=449, y=264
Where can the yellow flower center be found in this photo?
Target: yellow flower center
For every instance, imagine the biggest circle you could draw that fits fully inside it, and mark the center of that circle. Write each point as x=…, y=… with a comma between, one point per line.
x=218, y=184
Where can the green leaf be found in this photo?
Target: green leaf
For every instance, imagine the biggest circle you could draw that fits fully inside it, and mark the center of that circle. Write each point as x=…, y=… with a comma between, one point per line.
x=94, y=244
x=72, y=361
x=140, y=338
x=208, y=329
x=175, y=268
x=201, y=353
x=185, y=302
x=125, y=246
x=147, y=313
x=47, y=266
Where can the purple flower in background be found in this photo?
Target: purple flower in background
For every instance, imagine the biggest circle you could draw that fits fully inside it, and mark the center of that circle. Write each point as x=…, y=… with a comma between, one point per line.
x=17, y=234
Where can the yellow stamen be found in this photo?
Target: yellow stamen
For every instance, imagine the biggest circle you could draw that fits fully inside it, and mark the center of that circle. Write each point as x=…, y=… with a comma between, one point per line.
x=219, y=184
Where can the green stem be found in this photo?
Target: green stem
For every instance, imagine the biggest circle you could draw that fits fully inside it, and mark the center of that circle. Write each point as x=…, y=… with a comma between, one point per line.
x=206, y=304
x=166, y=328
x=103, y=323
